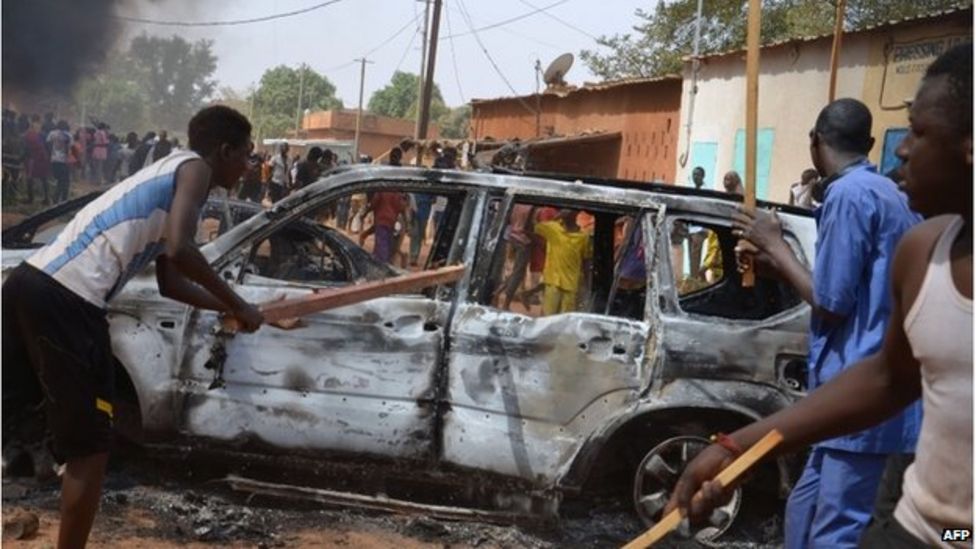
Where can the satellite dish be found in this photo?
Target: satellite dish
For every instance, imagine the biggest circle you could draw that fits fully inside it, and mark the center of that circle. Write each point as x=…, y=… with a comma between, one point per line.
x=557, y=70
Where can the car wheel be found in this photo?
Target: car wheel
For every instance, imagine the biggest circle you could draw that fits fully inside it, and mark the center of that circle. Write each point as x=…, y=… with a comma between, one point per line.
x=657, y=475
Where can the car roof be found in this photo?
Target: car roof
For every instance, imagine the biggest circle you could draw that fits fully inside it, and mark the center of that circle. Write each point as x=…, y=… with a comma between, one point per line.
x=496, y=178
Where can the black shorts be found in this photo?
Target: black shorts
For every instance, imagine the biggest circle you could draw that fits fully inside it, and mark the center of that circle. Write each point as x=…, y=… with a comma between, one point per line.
x=57, y=345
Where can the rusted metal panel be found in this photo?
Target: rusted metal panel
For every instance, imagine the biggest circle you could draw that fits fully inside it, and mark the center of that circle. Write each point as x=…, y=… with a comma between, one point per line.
x=351, y=379
x=525, y=392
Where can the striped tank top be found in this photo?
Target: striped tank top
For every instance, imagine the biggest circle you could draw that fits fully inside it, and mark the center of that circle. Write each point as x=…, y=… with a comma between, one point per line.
x=115, y=236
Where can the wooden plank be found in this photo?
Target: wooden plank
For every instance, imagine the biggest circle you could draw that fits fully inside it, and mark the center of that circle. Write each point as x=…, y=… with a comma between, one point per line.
x=728, y=475
x=276, y=311
x=362, y=501
x=752, y=118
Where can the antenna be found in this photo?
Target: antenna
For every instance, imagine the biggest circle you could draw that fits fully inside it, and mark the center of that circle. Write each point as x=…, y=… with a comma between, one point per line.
x=557, y=70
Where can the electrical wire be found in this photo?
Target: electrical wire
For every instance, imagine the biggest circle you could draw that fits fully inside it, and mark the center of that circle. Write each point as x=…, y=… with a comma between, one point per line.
x=406, y=51
x=473, y=30
x=467, y=19
x=457, y=74
x=513, y=32
x=561, y=21
x=391, y=38
x=225, y=23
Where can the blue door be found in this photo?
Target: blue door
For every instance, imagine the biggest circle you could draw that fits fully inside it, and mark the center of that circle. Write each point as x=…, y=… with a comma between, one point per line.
x=764, y=156
x=703, y=154
x=892, y=139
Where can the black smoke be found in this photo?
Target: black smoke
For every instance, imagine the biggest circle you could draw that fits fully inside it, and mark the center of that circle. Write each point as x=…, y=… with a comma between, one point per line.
x=49, y=44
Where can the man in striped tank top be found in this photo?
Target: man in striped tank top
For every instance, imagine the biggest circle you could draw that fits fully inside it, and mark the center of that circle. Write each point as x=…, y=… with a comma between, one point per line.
x=55, y=332
x=928, y=346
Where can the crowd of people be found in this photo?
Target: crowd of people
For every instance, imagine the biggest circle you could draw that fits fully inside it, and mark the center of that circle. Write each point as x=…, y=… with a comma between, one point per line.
x=890, y=295
x=38, y=151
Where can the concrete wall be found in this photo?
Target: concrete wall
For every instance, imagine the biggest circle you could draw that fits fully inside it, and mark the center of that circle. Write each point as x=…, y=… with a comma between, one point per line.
x=645, y=113
x=793, y=84
x=793, y=87
x=377, y=133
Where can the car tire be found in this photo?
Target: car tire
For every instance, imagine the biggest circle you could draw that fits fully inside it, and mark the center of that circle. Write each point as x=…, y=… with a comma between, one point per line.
x=656, y=476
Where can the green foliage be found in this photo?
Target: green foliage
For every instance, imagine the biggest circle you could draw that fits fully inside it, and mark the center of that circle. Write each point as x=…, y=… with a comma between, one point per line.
x=157, y=84
x=661, y=38
x=399, y=98
x=455, y=123
x=176, y=76
x=276, y=98
x=115, y=96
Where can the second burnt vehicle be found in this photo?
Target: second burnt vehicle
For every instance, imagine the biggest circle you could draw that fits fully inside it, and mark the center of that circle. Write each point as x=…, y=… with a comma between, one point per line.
x=509, y=408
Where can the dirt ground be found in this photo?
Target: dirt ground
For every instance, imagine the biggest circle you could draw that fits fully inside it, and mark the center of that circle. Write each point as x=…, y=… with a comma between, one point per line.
x=156, y=503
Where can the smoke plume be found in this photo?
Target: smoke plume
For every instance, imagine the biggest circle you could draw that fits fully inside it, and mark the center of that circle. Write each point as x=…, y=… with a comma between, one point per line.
x=49, y=44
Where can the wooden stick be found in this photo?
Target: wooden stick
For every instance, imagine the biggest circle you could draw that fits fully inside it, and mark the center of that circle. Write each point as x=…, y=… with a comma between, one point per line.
x=752, y=122
x=835, y=49
x=728, y=475
x=275, y=311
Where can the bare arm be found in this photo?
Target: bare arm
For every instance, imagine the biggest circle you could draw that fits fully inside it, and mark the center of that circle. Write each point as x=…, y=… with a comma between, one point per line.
x=174, y=285
x=864, y=395
x=182, y=259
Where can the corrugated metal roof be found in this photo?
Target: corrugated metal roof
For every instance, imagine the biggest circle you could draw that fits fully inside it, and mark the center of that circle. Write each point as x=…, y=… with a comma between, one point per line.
x=587, y=86
x=884, y=25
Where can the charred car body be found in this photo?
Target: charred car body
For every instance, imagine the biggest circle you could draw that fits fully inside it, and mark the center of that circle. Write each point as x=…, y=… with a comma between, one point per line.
x=448, y=380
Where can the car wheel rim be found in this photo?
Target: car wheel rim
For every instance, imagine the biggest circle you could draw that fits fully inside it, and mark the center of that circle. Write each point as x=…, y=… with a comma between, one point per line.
x=657, y=475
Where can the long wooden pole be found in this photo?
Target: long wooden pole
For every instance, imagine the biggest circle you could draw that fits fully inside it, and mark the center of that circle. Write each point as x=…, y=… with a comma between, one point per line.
x=752, y=121
x=276, y=311
x=435, y=23
x=835, y=50
x=728, y=475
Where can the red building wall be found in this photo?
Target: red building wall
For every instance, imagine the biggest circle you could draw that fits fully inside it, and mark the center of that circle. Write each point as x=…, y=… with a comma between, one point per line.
x=646, y=113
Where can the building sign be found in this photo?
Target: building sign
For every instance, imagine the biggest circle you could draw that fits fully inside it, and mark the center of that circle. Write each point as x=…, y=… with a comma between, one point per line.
x=906, y=64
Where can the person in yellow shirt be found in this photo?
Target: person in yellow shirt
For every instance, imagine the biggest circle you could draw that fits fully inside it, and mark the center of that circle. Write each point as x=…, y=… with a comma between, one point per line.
x=712, y=264
x=568, y=249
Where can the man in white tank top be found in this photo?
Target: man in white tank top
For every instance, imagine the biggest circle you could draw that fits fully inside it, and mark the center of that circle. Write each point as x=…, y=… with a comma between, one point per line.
x=927, y=350
x=56, y=343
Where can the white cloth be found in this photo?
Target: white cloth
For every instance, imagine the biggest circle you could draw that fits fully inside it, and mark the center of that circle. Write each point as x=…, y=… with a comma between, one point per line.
x=60, y=141
x=938, y=487
x=279, y=170
x=115, y=236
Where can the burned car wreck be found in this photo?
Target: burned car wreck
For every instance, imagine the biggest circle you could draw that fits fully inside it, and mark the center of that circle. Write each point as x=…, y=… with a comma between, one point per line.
x=611, y=397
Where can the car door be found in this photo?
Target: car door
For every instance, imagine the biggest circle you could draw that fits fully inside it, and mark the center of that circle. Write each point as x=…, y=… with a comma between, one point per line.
x=356, y=379
x=525, y=390
x=713, y=327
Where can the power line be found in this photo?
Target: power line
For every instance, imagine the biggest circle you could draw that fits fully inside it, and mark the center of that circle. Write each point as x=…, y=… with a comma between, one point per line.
x=225, y=23
x=473, y=30
x=514, y=32
x=457, y=74
x=467, y=19
x=406, y=51
x=561, y=21
x=391, y=38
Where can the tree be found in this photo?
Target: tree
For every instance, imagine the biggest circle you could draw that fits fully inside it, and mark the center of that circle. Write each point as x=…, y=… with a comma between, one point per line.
x=454, y=124
x=662, y=38
x=399, y=98
x=115, y=96
x=276, y=99
x=176, y=76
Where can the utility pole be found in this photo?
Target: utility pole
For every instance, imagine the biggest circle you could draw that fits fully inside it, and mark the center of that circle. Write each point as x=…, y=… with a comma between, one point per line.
x=835, y=48
x=359, y=112
x=301, y=89
x=423, y=66
x=424, y=118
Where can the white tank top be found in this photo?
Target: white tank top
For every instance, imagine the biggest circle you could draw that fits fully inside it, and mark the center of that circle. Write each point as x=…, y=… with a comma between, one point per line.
x=115, y=236
x=938, y=487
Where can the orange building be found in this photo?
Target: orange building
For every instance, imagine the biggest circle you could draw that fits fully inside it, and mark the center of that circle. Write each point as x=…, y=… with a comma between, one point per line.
x=624, y=129
x=378, y=134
